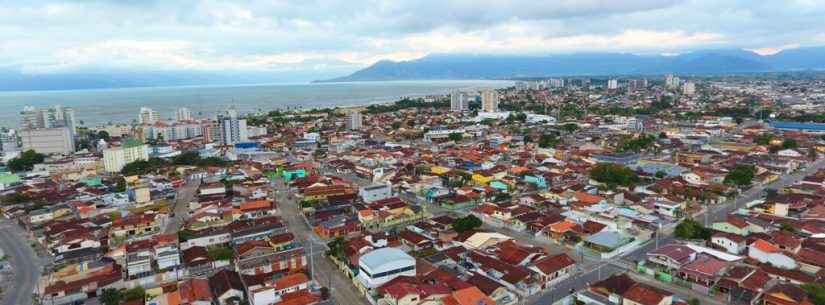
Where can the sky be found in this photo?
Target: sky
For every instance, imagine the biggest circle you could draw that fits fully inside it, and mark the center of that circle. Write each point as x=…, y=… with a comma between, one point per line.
x=330, y=38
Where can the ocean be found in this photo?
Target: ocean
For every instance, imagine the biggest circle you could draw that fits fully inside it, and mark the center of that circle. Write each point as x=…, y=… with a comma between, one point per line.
x=100, y=106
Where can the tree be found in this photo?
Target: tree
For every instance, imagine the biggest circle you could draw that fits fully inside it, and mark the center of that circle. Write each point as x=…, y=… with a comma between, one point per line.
x=660, y=174
x=396, y=125
x=103, y=135
x=220, y=253
x=763, y=139
x=110, y=296
x=120, y=187
x=324, y=293
x=185, y=234
x=789, y=144
x=548, y=140
x=26, y=161
x=816, y=292
x=741, y=175
x=456, y=136
x=137, y=293
x=569, y=127
x=693, y=301
x=466, y=223
x=528, y=139
x=14, y=198
x=613, y=174
x=691, y=229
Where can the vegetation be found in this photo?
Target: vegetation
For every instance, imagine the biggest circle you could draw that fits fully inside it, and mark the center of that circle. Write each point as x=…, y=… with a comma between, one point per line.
x=103, y=135
x=789, y=144
x=14, y=198
x=406, y=103
x=692, y=229
x=466, y=223
x=142, y=167
x=220, y=253
x=548, y=140
x=569, y=127
x=816, y=292
x=137, y=293
x=110, y=296
x=456, y=136
x=26, y=161
x=764, y=139
x=193, y=158
x=613, y=175
x=120, y=185
x=635, y=144
x=741, y=175
x=185, y=234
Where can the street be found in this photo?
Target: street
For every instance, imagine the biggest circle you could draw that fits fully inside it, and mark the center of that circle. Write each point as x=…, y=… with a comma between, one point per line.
x=324, y=272
x=25, y=262
x=180, y=209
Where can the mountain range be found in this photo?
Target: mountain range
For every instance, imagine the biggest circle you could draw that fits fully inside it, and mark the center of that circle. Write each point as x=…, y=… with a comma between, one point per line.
x=466, y=66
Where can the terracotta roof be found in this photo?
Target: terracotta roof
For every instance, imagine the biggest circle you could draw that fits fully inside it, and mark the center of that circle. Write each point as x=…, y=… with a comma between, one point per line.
x=291, y=280
x=551, y=264
x=468, y=296
x=645, y=295
x=765, y=246
x=195, y=289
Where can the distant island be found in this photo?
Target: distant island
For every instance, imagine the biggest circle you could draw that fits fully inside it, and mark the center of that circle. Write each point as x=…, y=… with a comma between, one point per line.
x=464, y=66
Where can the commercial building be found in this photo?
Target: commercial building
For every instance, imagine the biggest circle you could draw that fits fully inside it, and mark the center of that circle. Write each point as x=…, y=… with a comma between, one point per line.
x=458, y=101
x=375, y=192
x=57, y=116
x=114, y=159
x=489, y=101
x=56, y=140
x=231, y=130
x=355, y=120
x=383, y=265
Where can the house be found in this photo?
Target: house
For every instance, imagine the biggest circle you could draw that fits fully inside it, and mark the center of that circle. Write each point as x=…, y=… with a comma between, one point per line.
x=257, y=209
x=195, y=291
x=731, y=243
x=468, y=296
x=641, y=294
x=766, y=252
x=705, y=270
x=733, y=225
x=226, y=287
x=786, y=294
x=375, y=192
x=271, y=255
x=554, y=269
x=671, y=256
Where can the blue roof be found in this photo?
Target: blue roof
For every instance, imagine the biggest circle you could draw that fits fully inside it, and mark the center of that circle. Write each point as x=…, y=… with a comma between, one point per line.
x=798, y=125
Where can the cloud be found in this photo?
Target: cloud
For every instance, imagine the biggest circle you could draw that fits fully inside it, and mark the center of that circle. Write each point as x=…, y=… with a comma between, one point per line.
x=312, y=35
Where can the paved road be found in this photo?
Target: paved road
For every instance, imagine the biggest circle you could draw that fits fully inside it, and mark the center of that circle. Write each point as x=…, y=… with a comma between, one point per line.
x=590, y=274
x=181, y=206
x=25, y=262
x=324, y=271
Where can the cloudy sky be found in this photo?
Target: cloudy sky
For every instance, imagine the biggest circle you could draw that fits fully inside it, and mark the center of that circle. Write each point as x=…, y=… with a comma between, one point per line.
x=331, y=37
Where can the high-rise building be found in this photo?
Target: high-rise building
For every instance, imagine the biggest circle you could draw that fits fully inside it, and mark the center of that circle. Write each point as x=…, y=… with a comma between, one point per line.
x=672, y=81
x=556, y=82
x=231, y=129
x=458, y=101
x=147, y=116
x=115, y=158
x=354, y=120
x=57, y=116
x=489, y=101
x=57, y=140
x=689, y=88
x=183, y=114
x=612, y=84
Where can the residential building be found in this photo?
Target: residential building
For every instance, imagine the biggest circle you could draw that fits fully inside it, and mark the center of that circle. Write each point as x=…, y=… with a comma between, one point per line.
x=612, y=84
x=489, y=101
x=458, y=101
x=354, y=120
x=147, y=116
x=183, y=114
x=115, y=158
x=689, y=88
x=231, y=130
x=58, y=140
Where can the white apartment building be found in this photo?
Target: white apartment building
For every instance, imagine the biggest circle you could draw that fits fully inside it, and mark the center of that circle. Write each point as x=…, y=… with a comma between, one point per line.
x=114, y=159
x=355, y=120
x=458, y=101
